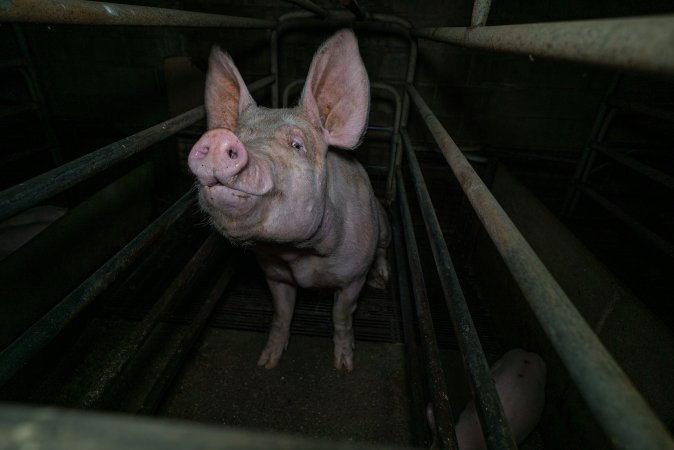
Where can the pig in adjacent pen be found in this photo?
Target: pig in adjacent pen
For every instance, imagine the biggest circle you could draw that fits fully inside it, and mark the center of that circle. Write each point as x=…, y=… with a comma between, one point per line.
x=268, y=180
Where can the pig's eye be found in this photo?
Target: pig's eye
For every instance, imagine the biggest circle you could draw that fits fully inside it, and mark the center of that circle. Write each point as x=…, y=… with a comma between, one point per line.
x=297, y=144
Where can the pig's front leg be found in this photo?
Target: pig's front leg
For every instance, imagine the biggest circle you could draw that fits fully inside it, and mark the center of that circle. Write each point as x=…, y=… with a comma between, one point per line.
x=342, y=312
x=283, y=296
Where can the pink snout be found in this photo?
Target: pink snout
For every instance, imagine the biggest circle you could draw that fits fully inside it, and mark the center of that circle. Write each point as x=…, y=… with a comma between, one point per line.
x=217, y=157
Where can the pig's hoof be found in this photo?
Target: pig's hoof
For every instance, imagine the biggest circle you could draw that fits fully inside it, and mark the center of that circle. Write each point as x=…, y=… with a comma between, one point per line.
x=344, y=353
x=276, y=344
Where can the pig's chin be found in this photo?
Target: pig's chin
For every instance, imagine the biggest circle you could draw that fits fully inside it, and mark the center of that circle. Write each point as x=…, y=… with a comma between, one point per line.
x=228, y=201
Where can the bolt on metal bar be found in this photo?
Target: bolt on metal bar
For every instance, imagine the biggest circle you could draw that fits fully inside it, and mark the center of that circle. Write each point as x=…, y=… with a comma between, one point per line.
x=644, y=169
x=490, y=411
x=29, y=193
x=85, y=12
x=628, y=220
x=202, y=259
x=615, y=402
x=19, y=352
x=442, y=412
x=480, y=13
x=640, y=43
x=181, y=350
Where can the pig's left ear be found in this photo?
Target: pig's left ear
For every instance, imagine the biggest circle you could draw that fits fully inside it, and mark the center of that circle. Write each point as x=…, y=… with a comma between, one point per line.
x=226, y=94
x=336, y=95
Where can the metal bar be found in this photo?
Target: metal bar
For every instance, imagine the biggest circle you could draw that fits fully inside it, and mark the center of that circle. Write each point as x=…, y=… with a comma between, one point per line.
x=442, y=412
x=310, y=6
x=639, y=43
x=599, y=129
x=24, y=427
x=189, y=338
x=640, y=108
x=628, y=220
x=615, y=402
x=33, y=191
x=19, y=352
x=418, y=396
x=99, y=13
x=644, y=169
x=480, y=13
x=354, y=7
x=41, y=187
x=490, y=411
x=202, y=259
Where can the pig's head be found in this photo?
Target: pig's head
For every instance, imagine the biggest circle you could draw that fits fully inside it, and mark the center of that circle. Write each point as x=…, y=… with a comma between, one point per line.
x=262, y=172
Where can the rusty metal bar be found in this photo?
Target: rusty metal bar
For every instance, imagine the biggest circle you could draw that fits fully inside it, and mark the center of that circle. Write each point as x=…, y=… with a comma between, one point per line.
x=204, y=257
x=418, y=395
x=19, y=352
x=310, y=6
x=181, y=350
x=488, y=405
x=480, y=13
x=85, y=12
x=31, y=192
x=640, y=43
x=441, y=411
x=615, y=402
x=55, y=181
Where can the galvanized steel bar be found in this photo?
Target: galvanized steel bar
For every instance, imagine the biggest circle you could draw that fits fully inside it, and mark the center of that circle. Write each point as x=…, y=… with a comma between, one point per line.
x=85, y=12
x=641, y=43
x=41, y=187
x=442, y=412
x=615, y=402
x=182, y=349
x=488, y=405
x=208, y=252
x=480, y=13
x=18, y=353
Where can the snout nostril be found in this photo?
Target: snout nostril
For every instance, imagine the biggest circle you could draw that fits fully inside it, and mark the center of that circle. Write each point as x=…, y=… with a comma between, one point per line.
x=233, y=154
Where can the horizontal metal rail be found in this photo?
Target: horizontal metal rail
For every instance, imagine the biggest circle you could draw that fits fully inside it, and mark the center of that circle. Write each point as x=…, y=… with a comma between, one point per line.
x=640, y=108
x=85, y=12
x=181, y=350
x=490, y=411
x=203, y=258
x=23, y=427
x=615, y=402
x=644, y=169
x=31, y=192
x=19, y=352
x=639, y=228
x=437, y=385
x=642, y=43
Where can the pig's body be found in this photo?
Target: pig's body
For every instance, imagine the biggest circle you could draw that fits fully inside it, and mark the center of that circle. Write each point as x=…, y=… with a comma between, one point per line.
x=269, y=181
x=519, y=377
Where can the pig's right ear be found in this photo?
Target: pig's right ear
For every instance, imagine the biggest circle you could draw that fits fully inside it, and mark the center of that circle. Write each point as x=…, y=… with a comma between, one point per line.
x=226, y=94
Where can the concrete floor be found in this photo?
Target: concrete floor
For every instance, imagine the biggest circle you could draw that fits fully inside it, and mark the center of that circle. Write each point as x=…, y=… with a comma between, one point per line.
x=305, y=394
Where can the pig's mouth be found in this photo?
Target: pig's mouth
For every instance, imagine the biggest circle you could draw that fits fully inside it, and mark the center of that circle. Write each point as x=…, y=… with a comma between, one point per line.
x=238, y=194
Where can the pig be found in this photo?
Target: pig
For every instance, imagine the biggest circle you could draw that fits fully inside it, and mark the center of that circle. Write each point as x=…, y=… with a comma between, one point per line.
x=520, y=383
x=276, y=181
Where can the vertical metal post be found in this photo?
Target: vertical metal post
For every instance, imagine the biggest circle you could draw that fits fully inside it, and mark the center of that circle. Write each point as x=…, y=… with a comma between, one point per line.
x=480, y=13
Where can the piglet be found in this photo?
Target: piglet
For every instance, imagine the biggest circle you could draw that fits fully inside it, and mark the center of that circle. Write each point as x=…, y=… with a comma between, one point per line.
x=270, y=180
x=520, y=382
